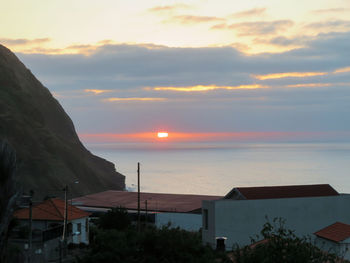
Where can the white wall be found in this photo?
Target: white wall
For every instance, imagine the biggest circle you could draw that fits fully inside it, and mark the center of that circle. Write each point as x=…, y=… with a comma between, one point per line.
x=238, y=220
x=341, y=249
x=186, y=221
x=83, y=237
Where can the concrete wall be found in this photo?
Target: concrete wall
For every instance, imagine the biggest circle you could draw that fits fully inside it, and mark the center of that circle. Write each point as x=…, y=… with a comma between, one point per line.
x=186, y=221
x=238, y=220
x=83, y=236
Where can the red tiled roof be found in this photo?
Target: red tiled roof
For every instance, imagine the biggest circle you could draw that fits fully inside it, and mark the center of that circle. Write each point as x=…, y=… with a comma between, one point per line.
x=51, y=209
x=290, y=191
x=336, y=232
x=155, y=201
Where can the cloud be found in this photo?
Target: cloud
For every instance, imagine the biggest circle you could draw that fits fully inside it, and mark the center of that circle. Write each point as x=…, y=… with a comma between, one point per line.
x=342, y=70
x=168, y=8
x=316, y=103
x=199, y=88
x=317, y=85
x=132, y=99
x=257, y=28
x=190, y=19
x=23, y=41
x=250, y=12
x=331, y=10
x=97, y=91
x=282, y=41
x=289, y=75
x=329, y=26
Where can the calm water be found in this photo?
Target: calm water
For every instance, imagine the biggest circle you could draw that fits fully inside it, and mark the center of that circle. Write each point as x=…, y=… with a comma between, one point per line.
x=216, y=168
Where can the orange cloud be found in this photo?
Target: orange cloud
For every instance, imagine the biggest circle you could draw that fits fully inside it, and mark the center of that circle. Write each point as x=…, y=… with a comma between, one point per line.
x=168, y=8
x=289, y=75
x=310, y=85
x=196, y=137
x=133, y=99
x=23, y=41
x=342, y=70
x=251, y=12
x=97, y=91
x=188, y=19
x=209, y=87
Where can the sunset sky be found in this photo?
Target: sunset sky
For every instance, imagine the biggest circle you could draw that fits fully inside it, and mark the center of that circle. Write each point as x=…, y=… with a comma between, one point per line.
x=196, y=69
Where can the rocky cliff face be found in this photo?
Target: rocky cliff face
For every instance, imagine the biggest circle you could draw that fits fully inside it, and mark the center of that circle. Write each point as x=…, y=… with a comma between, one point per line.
x=49, y=151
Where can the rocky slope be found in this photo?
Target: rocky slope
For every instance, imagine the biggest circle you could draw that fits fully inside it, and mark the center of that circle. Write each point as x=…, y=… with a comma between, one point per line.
x=49, y=151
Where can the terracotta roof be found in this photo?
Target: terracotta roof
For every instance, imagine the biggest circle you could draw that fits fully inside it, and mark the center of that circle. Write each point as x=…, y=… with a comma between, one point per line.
x=155, y=201
x=336, y=232
x=273, y=192
x=51, y=209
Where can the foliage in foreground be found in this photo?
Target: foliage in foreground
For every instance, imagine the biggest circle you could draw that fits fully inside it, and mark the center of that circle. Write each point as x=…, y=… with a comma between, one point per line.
x=150, y=245
x=126, y=244
x=281, y=245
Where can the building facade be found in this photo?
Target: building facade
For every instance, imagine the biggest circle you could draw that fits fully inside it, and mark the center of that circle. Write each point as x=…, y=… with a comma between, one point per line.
x=242, y=214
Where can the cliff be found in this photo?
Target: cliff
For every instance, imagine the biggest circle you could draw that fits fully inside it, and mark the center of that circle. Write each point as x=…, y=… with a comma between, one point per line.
x=48, y=149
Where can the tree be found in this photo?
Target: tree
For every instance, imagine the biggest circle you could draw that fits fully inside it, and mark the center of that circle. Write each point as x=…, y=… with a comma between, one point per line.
x=8, y=192
x=280, y=244
x=117, y=218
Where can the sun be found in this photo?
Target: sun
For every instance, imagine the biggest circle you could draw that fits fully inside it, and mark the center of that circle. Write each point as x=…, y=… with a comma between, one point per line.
x=162, y=135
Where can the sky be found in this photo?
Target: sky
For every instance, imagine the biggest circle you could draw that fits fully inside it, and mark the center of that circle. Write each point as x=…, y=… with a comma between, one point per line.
x=201, y=70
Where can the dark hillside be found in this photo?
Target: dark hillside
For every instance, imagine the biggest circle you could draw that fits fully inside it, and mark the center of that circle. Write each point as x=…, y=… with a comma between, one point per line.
x=49, y=151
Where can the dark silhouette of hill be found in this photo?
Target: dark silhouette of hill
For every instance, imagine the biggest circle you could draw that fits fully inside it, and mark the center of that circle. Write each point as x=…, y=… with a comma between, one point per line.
x=48, y=149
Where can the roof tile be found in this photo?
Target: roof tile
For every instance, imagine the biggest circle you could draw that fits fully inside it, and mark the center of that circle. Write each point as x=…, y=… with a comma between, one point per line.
x=51, y=209
x=336, y=232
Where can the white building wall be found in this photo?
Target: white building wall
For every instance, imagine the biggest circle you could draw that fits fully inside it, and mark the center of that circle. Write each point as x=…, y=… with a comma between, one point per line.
x=186, y=221
x=83, y=236
x=238, y=220
x=342, y=249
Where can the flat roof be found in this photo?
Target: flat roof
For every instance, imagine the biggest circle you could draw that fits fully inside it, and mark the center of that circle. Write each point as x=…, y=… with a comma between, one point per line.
x=182, y=203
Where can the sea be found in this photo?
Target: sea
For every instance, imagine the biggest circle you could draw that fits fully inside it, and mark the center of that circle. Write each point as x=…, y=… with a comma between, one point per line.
x=216, y=168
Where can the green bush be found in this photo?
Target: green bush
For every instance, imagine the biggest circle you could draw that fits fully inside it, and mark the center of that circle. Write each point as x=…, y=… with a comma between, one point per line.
x=165, y=245
x=117, y=218
x=281, y=245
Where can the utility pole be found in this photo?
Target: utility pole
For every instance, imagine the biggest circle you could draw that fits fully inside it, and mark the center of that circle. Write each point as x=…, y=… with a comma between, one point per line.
x=146, y=212
x=138, y=197
x=64, y=235
x=30, y=237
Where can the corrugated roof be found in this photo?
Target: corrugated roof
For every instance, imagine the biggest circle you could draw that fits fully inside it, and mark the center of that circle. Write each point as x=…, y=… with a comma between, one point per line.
x=155, y=201
x=274, y=192
x=51, y=209
x=336, y=232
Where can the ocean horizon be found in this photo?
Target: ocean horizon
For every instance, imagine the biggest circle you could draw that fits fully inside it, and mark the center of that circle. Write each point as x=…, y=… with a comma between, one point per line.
x=215, y=168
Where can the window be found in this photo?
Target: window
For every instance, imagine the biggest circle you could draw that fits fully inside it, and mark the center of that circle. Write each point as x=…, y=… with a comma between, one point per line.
x=86, y=225
x=205, y=219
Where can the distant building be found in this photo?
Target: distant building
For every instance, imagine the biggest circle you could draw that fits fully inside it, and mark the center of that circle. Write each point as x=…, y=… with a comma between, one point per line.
x=47, y=227
x=335, y=238
x=241, y=214
x=180, y=210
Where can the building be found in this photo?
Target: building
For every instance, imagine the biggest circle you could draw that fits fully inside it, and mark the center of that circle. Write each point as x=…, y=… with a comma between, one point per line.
x=47, y=228
x=241, y=214
x=335, y=238
x=180, y=210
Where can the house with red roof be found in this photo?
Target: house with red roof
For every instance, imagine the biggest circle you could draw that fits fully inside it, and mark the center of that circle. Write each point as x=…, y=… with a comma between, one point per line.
x=242, y=213
x=335, y=238
x=47, y=227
